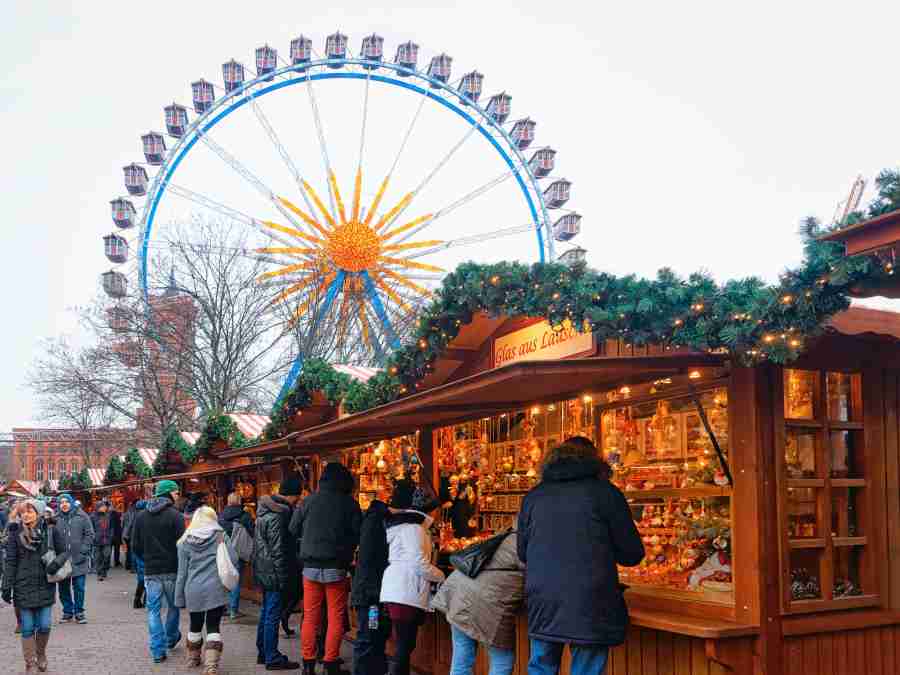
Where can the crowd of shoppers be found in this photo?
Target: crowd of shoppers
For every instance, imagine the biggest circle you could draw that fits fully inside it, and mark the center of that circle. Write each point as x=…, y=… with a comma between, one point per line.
x=320, y=548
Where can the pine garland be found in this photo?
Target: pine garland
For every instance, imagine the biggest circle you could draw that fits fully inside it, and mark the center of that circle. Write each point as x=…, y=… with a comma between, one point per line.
x=220, y=428
x=173, y=442
x=115, y=471
x=134, y=459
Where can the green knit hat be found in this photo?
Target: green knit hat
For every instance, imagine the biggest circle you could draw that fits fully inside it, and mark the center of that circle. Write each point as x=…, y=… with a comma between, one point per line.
x=165, y=487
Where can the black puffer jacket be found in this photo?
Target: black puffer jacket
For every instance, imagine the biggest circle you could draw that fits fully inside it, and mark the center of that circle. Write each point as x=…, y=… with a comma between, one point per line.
x=328, y=522
x=155, y=536
x=573, y=529
x=235, y=514
x=373, y=557
x=24, y=572
x=274, y=559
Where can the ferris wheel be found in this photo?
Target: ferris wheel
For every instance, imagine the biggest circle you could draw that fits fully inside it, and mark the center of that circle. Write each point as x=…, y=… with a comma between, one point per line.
x=362, y=181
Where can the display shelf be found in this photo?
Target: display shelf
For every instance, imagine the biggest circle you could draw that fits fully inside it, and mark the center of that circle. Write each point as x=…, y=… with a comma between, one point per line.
x=803, y=424
x=805, y=482
x=849, y=541
x=812, y=542
x=696, y=492
x=848, y=482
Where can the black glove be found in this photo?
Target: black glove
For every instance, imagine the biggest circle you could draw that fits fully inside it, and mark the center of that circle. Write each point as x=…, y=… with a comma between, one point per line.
x=7, y=596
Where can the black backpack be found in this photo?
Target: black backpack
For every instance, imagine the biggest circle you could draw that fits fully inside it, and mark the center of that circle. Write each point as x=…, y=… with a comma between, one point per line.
x=473, y=559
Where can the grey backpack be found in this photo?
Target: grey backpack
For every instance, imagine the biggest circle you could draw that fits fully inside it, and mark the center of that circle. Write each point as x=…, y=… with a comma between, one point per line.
x=242, y=542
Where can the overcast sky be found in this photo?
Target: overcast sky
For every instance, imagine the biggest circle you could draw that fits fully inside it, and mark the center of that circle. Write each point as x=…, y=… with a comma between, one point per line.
x=696, y=134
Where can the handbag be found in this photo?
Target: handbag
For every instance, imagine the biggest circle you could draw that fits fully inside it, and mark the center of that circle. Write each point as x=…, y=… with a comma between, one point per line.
x=242, y=542
x=228, y=573
x=50, y=556
x=472, y=559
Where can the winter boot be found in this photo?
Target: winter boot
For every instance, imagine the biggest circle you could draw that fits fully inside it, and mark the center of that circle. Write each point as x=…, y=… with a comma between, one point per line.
x=334, y=668
x=40, y=644
x=139, y=594
x=309, y=667
x=211, y=656
x=194, y=650
x=29, y=651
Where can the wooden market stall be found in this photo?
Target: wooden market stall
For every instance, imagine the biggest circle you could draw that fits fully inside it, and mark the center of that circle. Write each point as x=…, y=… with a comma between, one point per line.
x=768, y=498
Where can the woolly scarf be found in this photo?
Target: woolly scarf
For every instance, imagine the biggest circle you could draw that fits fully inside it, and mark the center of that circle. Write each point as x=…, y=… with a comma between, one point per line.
x=30, y=537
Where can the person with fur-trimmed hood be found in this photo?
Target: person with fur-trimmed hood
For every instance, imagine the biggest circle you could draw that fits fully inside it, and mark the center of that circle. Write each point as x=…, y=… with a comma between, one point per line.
x=574, y=528
x=25, y=578
x=274, y=567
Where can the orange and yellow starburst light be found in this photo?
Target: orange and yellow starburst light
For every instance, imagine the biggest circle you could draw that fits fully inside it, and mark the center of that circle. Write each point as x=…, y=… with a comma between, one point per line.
x=351, y=244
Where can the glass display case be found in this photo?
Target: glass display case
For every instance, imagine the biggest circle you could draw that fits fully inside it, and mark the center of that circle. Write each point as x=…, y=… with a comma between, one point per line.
x=824, y=494
x=666, y=461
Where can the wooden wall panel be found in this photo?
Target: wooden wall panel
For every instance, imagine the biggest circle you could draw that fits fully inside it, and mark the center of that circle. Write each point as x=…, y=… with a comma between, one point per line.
x=868, y=651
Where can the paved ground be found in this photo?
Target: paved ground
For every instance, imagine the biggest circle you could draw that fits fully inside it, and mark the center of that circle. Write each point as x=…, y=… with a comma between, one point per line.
x=114, y=642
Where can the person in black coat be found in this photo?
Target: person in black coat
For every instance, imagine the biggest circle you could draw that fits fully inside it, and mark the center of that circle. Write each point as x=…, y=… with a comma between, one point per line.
x=574, y=528
x=274, y=567
x=103, y=524
x=328, y=525
x=25, y=578
x=116, y=519
x=368, y=649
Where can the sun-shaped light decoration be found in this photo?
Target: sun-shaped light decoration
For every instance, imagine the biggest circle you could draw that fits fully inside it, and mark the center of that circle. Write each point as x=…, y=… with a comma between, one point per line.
x=350, y=256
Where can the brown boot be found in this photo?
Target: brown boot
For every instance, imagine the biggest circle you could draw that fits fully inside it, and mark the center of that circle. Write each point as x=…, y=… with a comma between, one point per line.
x=211, y=656
x=28, y=652
x=40, y=644
x=194, y=653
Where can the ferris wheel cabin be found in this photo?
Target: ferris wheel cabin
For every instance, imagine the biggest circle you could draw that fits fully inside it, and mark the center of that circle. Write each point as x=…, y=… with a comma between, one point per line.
x=116, y=248
x=123, y=213
x=135, y=179
x=372, y=49
x=336, y=48
x=573, y=256
x=407, y=56
x=154, y=148
x=471, y=84
x=439, y=68
x=523, y=132
x=266, y=60
x=567, y=227
x=301, y=50
x=499, y=107
x=557, y=193
x=232, y=75
x=114, y=284
x=176, y=120
x=203, y=94
x=542, y=162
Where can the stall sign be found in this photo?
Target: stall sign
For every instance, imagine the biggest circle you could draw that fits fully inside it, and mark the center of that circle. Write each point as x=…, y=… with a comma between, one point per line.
x=541, y=341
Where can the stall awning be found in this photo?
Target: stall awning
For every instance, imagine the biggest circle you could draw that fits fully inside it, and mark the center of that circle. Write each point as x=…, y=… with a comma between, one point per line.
x=511, y=387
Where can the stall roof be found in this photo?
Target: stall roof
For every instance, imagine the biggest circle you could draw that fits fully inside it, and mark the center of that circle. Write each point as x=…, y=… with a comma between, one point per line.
x=506, y=388
x=870, y=235
x=180, y=476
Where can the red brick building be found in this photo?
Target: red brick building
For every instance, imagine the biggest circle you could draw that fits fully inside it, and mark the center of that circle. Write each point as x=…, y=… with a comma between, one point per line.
x=46, y=454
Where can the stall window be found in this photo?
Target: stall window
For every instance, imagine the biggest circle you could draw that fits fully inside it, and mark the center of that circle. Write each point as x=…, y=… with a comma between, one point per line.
x=824, y=493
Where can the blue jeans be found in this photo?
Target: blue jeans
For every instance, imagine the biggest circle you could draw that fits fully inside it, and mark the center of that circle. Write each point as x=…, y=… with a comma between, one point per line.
x=267, y=630
x=162, y=638
x=234, y=596
x=464, y=649
x=368, y=648
x=586, y=660
x=66, y=587
x=139, y=569
x=36, y=620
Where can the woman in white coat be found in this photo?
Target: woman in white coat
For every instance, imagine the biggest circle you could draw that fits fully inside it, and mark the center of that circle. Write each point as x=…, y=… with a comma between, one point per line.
x=406, y=586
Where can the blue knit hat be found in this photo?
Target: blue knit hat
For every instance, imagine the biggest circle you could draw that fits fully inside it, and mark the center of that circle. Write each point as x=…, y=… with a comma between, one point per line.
x=66, y=497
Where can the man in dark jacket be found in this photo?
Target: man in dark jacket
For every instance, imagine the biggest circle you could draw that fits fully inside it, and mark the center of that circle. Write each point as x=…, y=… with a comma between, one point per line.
x=368, y=649
x=574, y=527
x=77, y=533
x=103, y=525
x=274, y=567
x=155, y=537
x=127, y=525
x=235, y=514
x=328, y=524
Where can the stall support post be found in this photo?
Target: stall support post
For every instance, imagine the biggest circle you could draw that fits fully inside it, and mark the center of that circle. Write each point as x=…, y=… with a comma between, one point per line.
x=426, y=456
x=756, y=536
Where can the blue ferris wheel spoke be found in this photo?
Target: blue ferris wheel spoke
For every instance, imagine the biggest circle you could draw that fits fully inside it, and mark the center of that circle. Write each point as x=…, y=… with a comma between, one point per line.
x=297, y=368
x=375, y=299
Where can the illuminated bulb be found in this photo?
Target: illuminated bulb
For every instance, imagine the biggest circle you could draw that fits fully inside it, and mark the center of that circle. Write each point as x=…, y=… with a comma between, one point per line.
x=423, y=343
x=678, y=322
x=587, y=398
x=694, y=375
x=625, y=391
x=381, y=465
x=551, y=407
x=393, y=370
x=787, y=299
x=795, y=343
x=535, y=410
x=495, y=280
x=769, y=338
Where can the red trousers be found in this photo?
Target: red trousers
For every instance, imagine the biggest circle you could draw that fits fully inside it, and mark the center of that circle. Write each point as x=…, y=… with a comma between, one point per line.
x=335, y=597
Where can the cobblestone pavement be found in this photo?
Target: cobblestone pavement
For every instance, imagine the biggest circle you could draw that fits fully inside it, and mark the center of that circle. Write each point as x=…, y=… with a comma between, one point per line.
x=115, y=641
